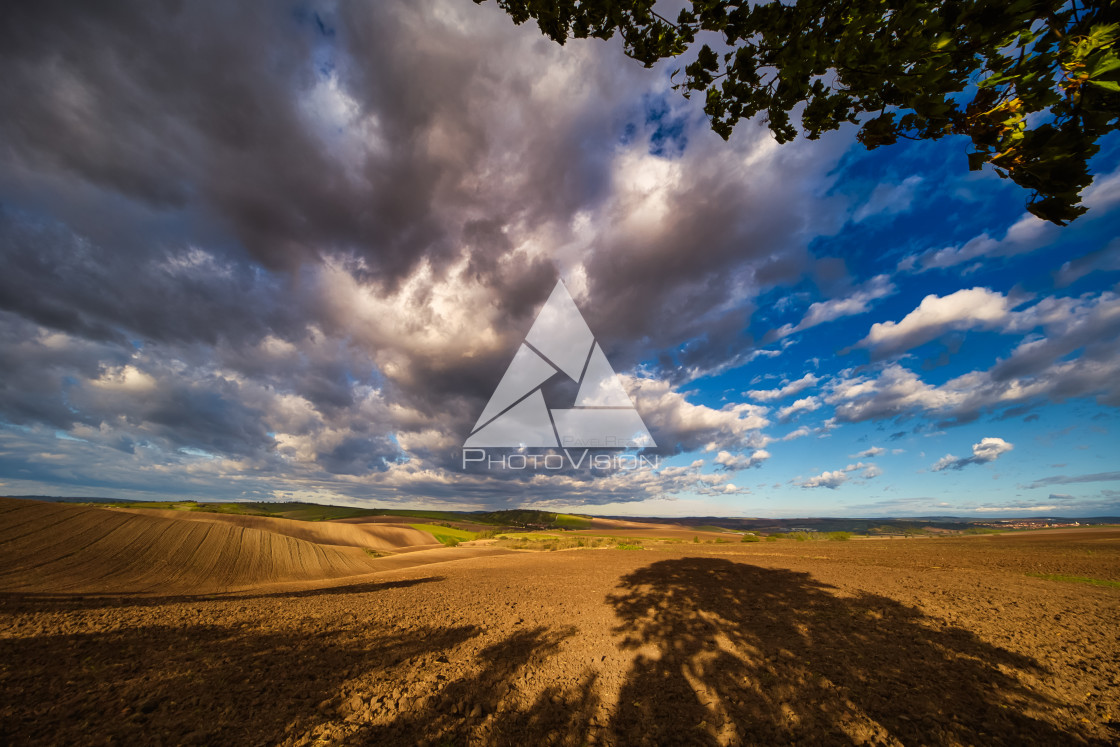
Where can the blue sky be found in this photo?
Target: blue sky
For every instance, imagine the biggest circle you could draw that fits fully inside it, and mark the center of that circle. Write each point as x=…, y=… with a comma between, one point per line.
x=908, y=204
x=238, y=274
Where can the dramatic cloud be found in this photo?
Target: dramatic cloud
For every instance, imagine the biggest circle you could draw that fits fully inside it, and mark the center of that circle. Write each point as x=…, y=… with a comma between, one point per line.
x=988, y=450
x=264, y=252
x=388, y=264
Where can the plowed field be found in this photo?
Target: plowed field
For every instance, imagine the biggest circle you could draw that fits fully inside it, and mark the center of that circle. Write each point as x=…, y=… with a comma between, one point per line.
x=934, y=641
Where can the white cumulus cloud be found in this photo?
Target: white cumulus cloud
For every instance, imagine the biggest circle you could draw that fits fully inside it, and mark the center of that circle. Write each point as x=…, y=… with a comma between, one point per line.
x=733, y=462
x=805, y=404
x=988, y=450
x=788, y=390
x=835, y=478
x=858, y=302
x=966, y=309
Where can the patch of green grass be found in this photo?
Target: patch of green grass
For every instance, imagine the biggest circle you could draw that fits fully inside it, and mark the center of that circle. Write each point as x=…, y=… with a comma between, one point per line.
x=550, y=542
x=1077, y=579
x=711, y=528
x=172, y=505
x=751, y=538
x=296, y=511
x=571, y=521
x=533, y=519
x=449, y=536
x=531, y=536
x=810, y=536
x=226, y=508
x=628, y=546
x=429, y=515
x=374, y=553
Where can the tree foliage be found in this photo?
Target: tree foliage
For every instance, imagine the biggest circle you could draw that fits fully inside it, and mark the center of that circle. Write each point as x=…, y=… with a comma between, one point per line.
x=1034, y=84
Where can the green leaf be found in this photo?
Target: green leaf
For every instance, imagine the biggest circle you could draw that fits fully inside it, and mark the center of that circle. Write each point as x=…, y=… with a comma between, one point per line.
x=921, y=69
x=942, y=41
x=1110, y=85
x=1106, y=64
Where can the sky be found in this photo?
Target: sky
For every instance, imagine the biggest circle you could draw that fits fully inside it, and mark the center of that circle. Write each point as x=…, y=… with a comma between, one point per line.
x=287, y=251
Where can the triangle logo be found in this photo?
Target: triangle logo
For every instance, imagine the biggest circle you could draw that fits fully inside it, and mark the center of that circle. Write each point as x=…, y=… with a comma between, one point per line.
x=560, y=342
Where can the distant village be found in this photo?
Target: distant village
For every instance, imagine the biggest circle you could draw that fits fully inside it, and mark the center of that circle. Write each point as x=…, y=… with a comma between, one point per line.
x=1027, y=523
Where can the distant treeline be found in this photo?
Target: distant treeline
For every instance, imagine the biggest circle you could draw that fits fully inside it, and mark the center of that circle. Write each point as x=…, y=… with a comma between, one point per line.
x=532, y=518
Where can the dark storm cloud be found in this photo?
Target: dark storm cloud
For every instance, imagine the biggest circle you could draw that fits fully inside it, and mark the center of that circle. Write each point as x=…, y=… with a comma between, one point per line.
x=209, y=111
x=310, y=239
x=203, y=106
x=209, y=415
x=38, y=372
x=726, y=235
x=358, y=455
x=174, y=294
x=207, y=108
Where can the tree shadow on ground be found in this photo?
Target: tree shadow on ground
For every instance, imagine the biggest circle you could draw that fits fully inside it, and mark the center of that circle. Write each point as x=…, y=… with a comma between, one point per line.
x=477, y=709
x=723, y=653
x=192, y=684
x=730, y=653
x=727, y=653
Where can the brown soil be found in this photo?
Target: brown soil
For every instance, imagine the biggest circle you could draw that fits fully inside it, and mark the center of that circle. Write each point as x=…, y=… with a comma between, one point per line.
x=940, y=641
x=380, y=536
x=61, y=548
